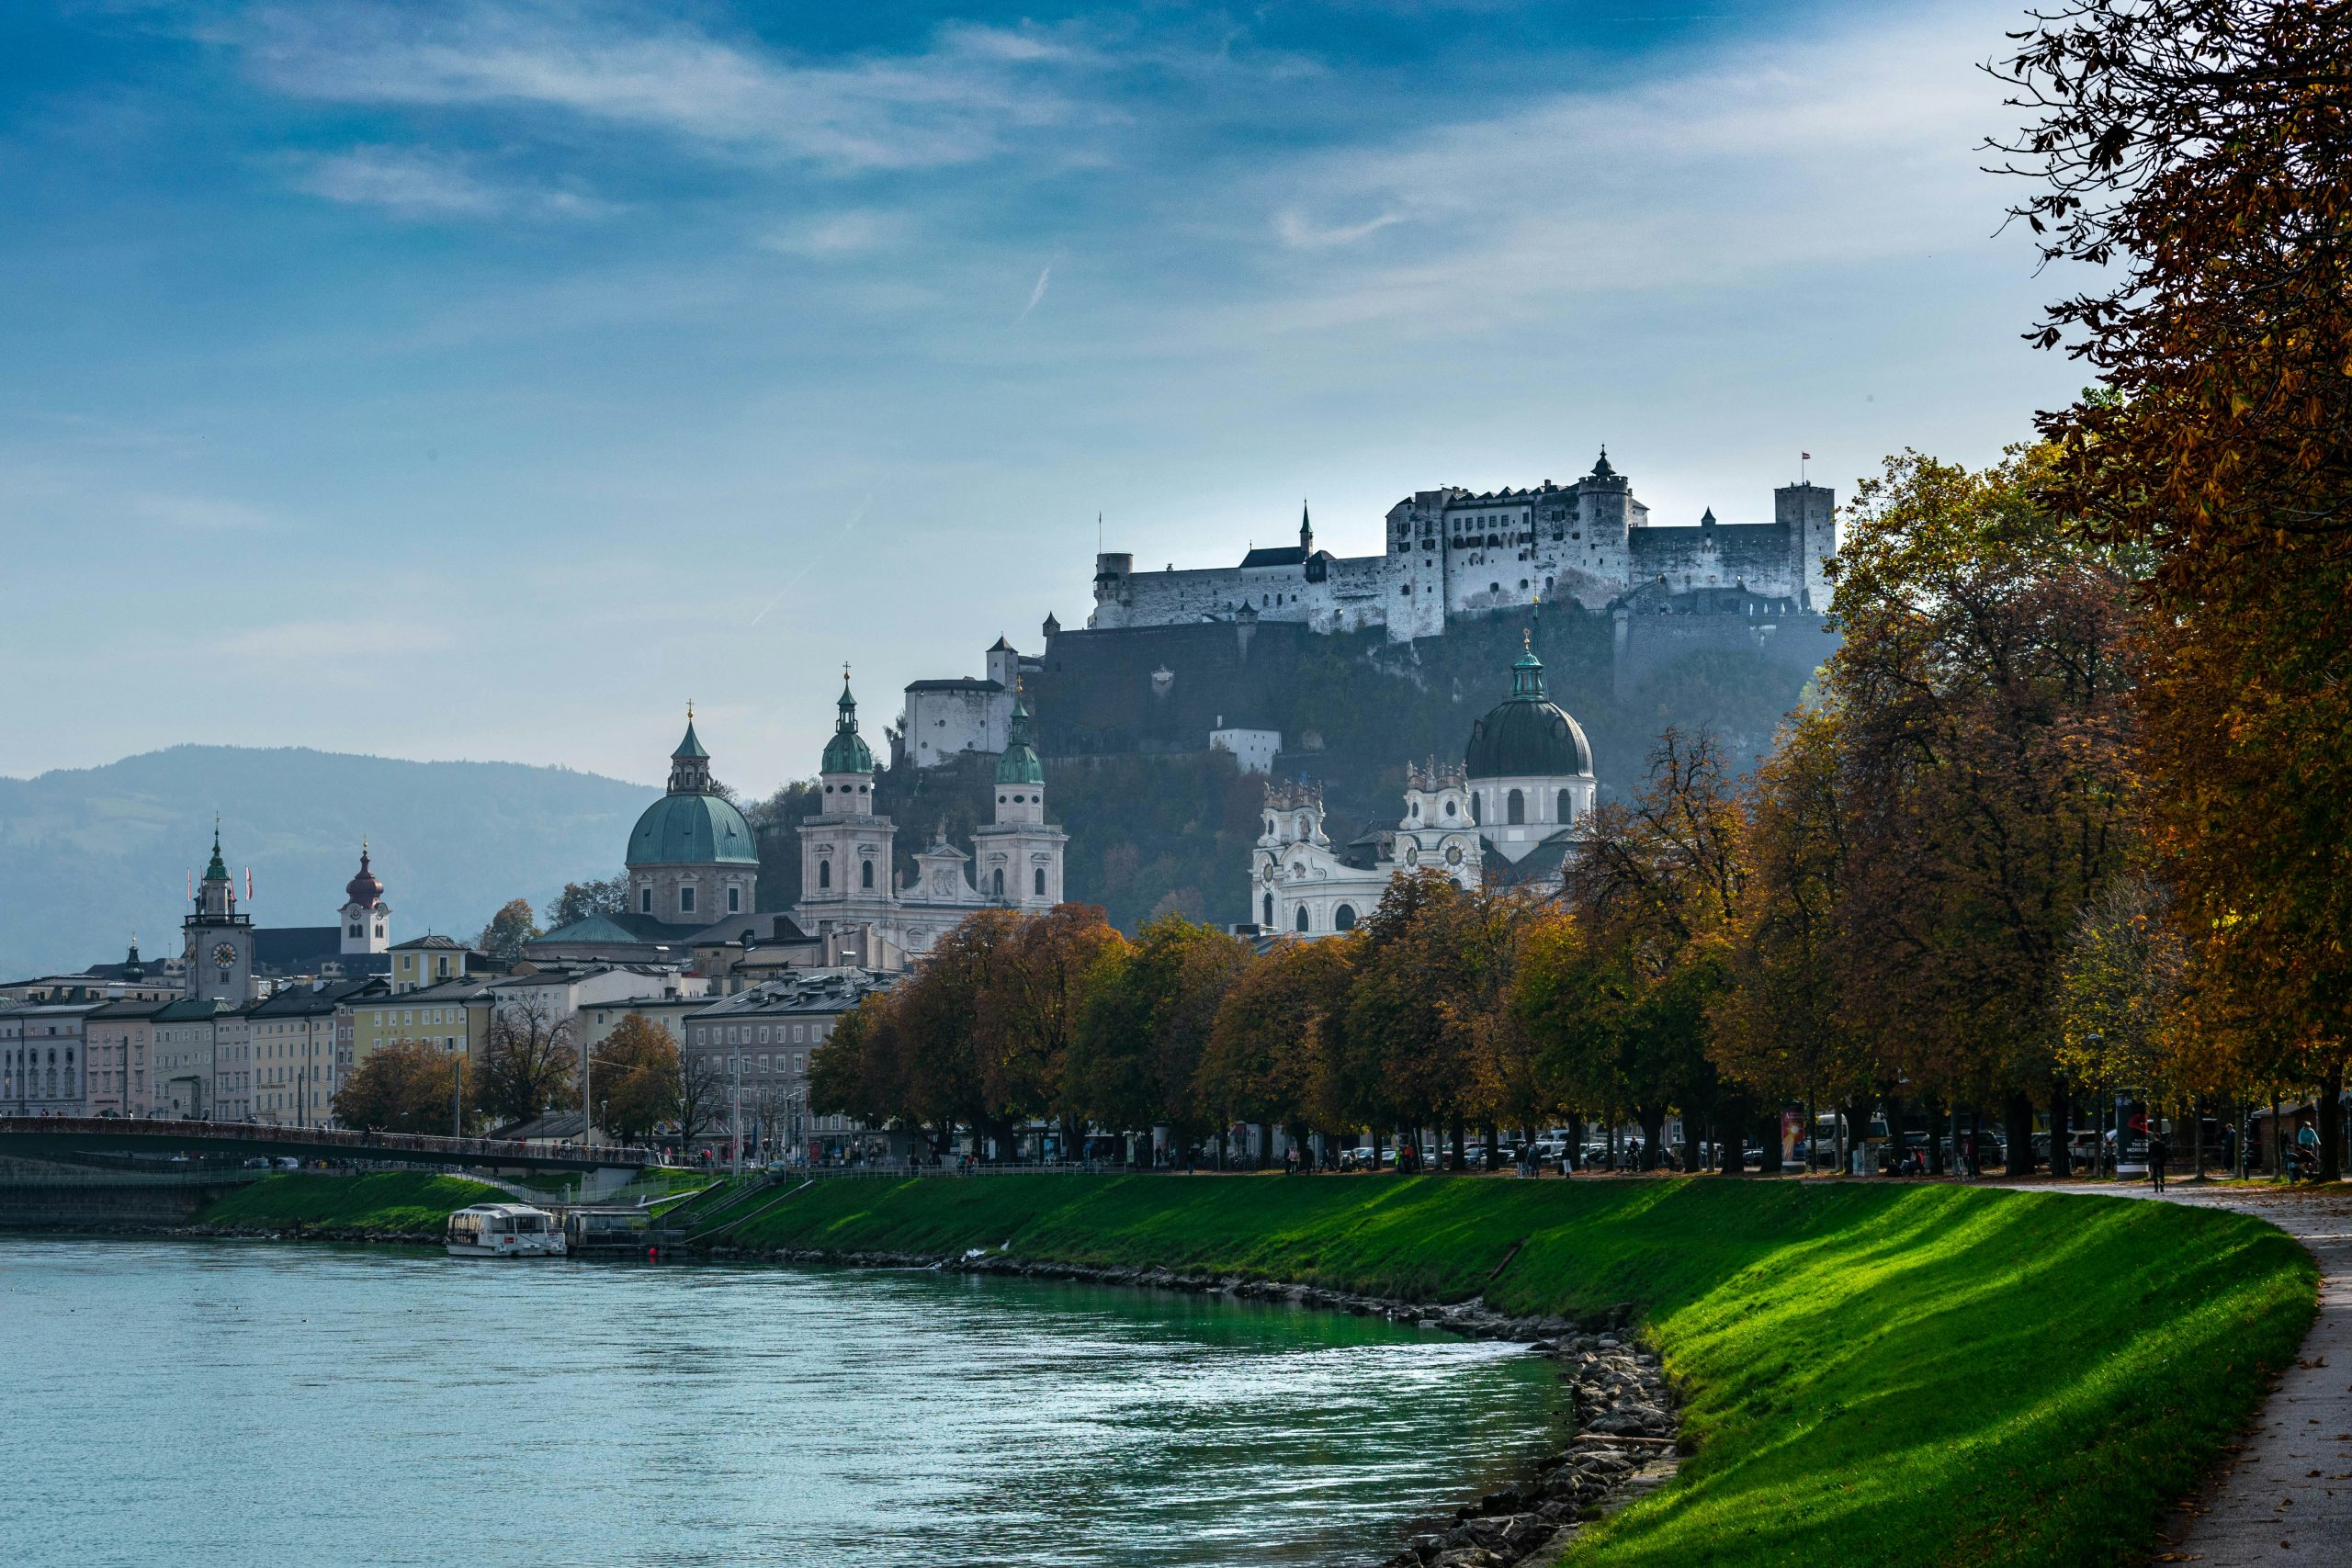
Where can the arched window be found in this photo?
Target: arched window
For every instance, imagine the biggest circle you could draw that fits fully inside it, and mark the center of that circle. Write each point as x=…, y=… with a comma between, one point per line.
x=1270, y=908
x=1301, y=916
x=1041, y=881
x=1515, y=808
x=825, y=879
x=1343, y=919
x=1564, y=807
x=996, y=882
x=866, y=873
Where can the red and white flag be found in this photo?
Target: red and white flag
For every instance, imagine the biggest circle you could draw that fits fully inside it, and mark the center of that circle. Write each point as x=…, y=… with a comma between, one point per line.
x=1806, y=456
x=249, y=884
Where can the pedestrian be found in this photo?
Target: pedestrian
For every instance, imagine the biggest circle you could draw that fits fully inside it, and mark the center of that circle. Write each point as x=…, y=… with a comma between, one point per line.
x=2159, y=1151
x=2307, y=1151
x=2230, y=1147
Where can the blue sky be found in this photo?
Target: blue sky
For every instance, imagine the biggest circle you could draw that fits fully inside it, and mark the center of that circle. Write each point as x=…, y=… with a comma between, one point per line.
x=486, y=381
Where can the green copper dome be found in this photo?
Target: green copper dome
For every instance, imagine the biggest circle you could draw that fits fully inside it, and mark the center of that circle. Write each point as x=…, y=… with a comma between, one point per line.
x=1018, y=765
x=692, y=829
x=846, y=752
x=216, y=872
x=1527, y=735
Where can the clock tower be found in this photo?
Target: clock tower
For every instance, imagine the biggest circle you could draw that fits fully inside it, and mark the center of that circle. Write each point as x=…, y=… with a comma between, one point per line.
x=218, y=942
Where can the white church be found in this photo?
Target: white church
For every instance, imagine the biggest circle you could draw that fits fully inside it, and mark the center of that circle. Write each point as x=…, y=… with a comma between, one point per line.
x=1508, y=813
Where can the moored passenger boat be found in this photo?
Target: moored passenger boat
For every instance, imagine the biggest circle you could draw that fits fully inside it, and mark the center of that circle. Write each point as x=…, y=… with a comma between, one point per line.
x=504, y=1230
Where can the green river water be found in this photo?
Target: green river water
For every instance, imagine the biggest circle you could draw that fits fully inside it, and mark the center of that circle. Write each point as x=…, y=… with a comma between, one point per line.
x=200, y=1404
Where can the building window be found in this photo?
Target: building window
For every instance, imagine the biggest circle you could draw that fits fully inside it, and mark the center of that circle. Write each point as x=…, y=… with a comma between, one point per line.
x=1041, y=881
x=995, y=883
x=645, y=900
x=1343, y=919
x=1515, y=808
x=1301, y=916
x=734, y=900
x=1564, y=806
x=686, y=900
x=865, y=873
x=824, y=874
x=1270, y=908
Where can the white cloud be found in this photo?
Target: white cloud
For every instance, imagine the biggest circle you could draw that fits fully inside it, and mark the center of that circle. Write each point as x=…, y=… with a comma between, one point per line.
x=199, y=512
x=951, y=104
x=412, y=183
x=1044, y=277
x=1732, y=168
x=836, y=234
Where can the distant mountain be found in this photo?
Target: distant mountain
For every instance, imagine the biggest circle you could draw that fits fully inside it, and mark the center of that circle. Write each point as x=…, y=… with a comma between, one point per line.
x=88, y=855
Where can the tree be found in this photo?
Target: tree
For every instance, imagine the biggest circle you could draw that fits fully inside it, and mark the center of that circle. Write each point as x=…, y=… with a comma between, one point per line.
x=1027, y=1011
x=407, y=1086
x=504, y=937
x=1144, y=1024
x=2199, y=153
x=527, y=1064
x=1983, y=695
x=633, y=1079
x=702, y=1096
x=581, y=900
x=1276, y=1030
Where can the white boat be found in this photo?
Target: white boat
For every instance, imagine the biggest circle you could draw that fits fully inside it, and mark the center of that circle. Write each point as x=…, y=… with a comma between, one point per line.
x=504, y=1230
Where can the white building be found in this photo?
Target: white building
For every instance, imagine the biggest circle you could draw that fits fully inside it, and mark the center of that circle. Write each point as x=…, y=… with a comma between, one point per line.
x=1253, y=750
x=1508, y=814
x=846, y=870
x=1451, y=552
x=945, y=718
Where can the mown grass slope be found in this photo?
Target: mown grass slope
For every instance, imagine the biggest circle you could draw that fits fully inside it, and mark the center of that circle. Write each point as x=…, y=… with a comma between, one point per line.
x=1874, y=1374
x=385, y=1201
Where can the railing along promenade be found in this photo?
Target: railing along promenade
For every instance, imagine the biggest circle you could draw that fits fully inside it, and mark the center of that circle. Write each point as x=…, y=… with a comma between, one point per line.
x=315, y=1142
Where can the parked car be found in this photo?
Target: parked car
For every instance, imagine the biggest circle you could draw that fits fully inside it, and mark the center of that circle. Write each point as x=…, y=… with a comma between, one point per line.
x=1356, y=1159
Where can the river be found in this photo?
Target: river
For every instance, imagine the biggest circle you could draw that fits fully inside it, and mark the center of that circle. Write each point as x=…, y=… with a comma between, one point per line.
x=198, y=1403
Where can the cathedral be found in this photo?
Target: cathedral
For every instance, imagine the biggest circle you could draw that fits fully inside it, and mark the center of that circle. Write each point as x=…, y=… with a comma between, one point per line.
x=1505, y=814
x=846, y=878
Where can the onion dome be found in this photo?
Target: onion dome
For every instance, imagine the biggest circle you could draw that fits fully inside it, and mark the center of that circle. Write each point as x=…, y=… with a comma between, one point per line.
x=846, y=752
x=1527, y=735
x=1018, y=765
x=364, y=889
x=132, y=969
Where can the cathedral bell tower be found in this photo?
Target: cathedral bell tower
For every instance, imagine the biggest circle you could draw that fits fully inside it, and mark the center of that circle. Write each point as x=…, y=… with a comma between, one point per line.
x=218, y=942
x=845, y=848
x=367, y=918
x=1019, y=856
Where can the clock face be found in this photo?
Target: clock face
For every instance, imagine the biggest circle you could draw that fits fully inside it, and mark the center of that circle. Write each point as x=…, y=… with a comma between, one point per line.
x=224, y=956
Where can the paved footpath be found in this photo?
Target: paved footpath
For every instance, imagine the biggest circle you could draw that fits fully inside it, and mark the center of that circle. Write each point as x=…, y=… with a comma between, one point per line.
x=2287, y=1496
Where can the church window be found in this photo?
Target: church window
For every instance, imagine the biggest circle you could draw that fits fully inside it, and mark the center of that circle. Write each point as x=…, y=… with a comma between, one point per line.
x=734, y=900
x=1449, y=808
x=645, y=900
x=1343, y=919
x=686, y=900
x=866, y=873
x=995, y=883
x=1564, y=806
x=1302, y=918
x=824, y=874
x=1515, y=808
x=1270, y=908
x=1041, y=881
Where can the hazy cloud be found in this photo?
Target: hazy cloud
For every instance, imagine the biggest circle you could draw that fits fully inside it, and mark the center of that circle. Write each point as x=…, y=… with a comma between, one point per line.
x=411, y=182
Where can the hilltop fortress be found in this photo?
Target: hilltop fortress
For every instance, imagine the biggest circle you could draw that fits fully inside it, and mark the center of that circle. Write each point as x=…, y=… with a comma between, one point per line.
x=1451, y=552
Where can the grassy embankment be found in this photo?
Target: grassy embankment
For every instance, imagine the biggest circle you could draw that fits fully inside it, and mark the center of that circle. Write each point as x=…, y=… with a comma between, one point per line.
x=385, y=1201
x=1874, y=1374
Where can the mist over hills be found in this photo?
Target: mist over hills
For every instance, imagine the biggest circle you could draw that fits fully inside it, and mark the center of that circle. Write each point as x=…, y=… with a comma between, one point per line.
x=88, y=855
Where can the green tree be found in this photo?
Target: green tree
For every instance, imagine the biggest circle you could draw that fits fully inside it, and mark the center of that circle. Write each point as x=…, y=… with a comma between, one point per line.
x=406, y=1086
x=1145, y=1023
x=581, y=900
x=504, y=937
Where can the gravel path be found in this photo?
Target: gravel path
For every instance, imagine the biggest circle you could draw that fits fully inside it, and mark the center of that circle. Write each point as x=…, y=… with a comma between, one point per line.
x=2286, y=1496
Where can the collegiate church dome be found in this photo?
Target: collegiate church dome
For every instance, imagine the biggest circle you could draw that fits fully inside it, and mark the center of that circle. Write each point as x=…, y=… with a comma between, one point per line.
x=694, y=824
x=1527, y=735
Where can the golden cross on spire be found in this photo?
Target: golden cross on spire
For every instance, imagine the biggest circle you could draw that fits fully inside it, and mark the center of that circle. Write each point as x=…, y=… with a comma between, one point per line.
x=844, y=671
x=690, y=710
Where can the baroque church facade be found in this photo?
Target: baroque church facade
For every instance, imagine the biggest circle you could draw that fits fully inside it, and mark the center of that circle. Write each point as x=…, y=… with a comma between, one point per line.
x=847, y=849
x=1507, y=814
x=1451, y=552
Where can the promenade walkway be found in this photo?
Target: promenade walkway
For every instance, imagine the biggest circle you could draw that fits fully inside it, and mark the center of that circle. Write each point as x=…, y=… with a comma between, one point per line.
x=2286, y=1496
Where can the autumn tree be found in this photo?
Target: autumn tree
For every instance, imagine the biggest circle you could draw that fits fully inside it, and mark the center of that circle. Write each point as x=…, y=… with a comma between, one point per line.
x=1982, y=701
x=2198, y=152
x=1262, y=1057
x=528, y=1063
x=407, y=1086
x=1144, y=1027
x=633, y=1079
x=503, y=936
x=1027, y=1012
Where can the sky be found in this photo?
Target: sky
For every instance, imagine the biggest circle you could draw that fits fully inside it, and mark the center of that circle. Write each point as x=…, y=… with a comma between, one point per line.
x=486, y=381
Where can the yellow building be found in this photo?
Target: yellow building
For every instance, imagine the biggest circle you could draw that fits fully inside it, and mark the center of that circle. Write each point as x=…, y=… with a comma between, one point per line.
x=431, y=961
x=453, y=1016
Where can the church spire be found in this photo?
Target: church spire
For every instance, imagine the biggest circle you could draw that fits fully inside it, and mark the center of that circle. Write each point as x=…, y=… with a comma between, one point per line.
x=1306, y=531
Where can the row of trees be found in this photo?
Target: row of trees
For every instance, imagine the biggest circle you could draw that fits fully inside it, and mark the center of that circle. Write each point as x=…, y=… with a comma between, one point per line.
x=530, y=1064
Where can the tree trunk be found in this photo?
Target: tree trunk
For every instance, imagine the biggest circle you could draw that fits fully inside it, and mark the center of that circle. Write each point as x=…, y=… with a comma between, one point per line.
x=1690, y=1139
x=1574, y=1158
x=1494, y=1146
x=2017, y=1129
x=1936, y=1165
x=1731, y=1129
x=2197, y=1136
x=1379, y=1144
x=2061, y=1126
x=1852, y=1132
x=2331, y=1123
x=1653, y=1130
x=1454, y=1134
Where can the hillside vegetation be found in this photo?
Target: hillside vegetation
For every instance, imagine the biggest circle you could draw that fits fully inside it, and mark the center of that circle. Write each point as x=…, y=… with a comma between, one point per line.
x=1874, y=1374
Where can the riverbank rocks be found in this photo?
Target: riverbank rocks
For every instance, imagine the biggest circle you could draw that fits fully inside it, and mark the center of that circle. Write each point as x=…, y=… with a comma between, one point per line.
x=1626, y=1443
